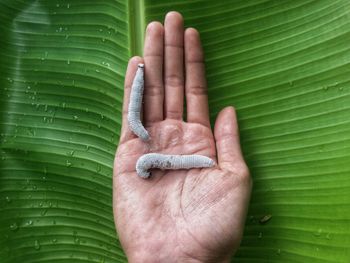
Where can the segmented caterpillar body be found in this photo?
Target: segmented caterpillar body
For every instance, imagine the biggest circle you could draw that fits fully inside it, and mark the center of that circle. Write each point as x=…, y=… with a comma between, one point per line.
x=173, y=162
x=135, y=104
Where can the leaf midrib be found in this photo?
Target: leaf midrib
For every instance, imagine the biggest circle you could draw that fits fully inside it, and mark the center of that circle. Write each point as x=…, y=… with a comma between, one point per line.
x=136, y=26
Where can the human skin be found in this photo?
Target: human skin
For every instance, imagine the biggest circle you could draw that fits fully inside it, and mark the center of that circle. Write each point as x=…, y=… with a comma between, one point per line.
x=194, y=215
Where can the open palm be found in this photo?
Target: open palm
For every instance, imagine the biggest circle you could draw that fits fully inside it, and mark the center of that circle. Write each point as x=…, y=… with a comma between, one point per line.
x=179, y=215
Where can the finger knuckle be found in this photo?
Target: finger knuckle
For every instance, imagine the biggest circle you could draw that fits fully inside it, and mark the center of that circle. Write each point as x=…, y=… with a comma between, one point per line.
x=197, y=90
x=174, y=80
x=153, y=90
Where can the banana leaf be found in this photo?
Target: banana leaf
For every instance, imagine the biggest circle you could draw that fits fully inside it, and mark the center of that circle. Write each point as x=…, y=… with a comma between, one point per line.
x=284, y=65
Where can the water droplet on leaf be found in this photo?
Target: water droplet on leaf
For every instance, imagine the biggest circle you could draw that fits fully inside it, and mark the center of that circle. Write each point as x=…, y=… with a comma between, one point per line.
x=265, y=219
x=43, y=213
x=14, y=227
x=37, y=245
x=318, y=233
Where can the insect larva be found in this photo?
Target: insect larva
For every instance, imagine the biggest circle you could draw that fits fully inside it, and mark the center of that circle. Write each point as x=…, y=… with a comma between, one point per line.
x=164, y=161
x=135, y=104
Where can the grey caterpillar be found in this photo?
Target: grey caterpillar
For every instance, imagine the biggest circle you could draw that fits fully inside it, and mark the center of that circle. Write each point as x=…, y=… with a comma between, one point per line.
x=135, y=104
x=164, y=161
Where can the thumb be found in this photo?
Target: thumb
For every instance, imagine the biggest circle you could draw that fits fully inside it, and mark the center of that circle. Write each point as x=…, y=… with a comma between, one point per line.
x=227, y=140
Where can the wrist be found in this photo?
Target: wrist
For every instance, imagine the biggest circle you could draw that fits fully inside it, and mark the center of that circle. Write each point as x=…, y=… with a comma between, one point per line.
x=141, y=258
x=159, y=250
x=160, y=256
x=148, y=253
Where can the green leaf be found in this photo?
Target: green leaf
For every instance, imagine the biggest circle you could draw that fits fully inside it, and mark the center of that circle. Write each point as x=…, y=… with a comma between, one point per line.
x=284, y=65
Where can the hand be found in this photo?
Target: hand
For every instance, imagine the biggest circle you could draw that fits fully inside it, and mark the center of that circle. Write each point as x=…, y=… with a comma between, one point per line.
x=194, y=215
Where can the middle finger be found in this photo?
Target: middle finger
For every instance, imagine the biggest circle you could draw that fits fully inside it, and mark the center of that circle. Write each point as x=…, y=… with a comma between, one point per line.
x=173, y=66
x=154, y=90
